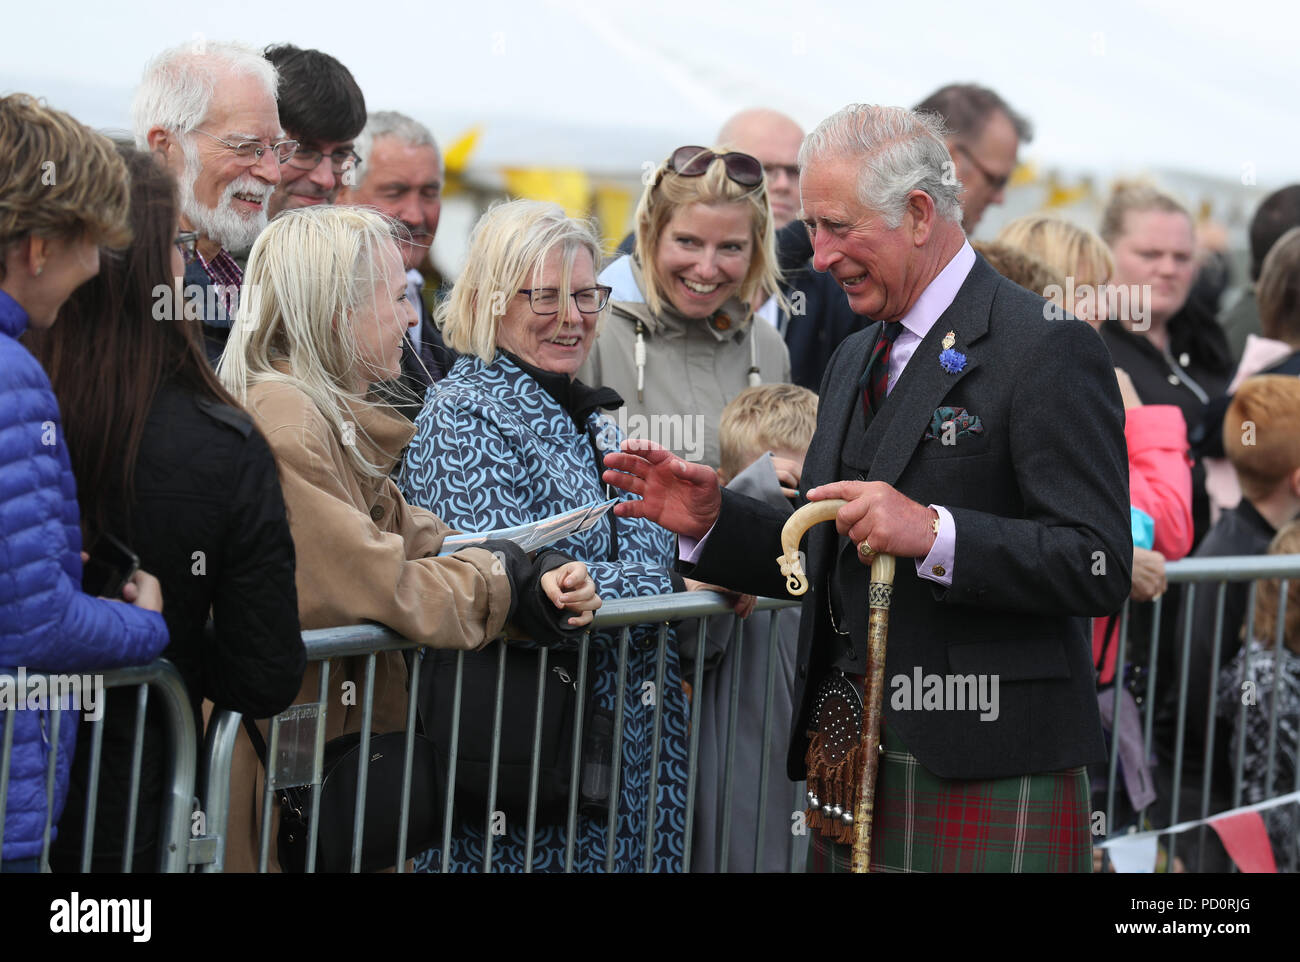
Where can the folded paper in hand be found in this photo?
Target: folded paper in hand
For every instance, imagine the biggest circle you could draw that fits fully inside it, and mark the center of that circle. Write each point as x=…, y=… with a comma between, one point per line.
x=535, y=534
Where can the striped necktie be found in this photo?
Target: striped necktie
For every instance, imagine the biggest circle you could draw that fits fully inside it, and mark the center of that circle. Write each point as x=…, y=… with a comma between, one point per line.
x=875, y=379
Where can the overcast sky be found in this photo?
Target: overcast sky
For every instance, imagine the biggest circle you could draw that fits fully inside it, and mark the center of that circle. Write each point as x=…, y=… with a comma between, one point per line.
x=1112, y=85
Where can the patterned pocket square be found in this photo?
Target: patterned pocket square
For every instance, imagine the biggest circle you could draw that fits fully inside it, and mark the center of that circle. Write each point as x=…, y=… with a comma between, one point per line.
x=953, y=423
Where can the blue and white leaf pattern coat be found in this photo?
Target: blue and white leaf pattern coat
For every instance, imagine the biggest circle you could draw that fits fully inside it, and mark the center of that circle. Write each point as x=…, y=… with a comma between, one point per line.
x=492, y=448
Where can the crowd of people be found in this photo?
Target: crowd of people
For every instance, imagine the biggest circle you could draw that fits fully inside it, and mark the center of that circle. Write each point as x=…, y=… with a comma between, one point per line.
x=219, y=349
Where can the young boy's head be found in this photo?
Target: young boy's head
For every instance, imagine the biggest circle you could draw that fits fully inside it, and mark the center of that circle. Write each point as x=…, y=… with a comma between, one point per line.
x=1262, y=438
x=780, y=418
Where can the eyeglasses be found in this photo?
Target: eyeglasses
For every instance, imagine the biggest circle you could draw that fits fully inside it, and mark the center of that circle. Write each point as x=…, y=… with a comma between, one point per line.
x=188, y=242
x=695, y=161
x=251, y=151
x=546, y=300
x=994, y=181
x=305, y=158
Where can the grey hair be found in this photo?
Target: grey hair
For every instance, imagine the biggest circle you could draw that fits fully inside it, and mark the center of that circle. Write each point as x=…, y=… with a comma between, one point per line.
x=899, y=151
x=178, y=84
x=390, y=123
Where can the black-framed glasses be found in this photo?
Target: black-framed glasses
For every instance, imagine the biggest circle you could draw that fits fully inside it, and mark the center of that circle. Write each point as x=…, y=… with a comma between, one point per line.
x=188, y=242
x=695, y=161
x=994, y=181
x=251, y=151
x=304, y=158
x=546, y=300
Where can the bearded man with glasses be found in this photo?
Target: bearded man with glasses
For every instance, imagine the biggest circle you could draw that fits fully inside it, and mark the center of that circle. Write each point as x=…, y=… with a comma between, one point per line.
x=208, y=113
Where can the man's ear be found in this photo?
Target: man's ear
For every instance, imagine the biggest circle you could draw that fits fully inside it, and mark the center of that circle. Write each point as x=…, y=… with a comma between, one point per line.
x=1294, y=482
x=161, y=141
x=920, y=215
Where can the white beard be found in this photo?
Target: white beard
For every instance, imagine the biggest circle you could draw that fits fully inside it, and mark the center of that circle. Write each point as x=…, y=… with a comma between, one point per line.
x=223, y=224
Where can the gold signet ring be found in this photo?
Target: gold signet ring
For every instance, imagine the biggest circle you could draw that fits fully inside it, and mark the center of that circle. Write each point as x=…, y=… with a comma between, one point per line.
x=865, y=549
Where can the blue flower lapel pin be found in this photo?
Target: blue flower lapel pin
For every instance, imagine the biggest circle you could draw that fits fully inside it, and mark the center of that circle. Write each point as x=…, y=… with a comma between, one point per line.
x=950, y=360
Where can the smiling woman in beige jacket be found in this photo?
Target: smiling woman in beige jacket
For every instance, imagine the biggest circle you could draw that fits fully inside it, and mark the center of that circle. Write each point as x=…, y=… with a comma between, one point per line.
x=323, y=315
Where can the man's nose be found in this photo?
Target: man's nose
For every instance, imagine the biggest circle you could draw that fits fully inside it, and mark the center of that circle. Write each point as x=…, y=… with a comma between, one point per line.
x=323, y=176
x=410, y=214
x=267, y=167
x=824, y=253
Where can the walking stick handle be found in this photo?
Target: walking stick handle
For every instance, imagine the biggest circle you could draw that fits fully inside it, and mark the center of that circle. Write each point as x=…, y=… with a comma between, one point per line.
x=796, y=579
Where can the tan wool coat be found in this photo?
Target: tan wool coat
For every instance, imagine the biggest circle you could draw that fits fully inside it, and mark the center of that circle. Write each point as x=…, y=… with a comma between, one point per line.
x=363, y=555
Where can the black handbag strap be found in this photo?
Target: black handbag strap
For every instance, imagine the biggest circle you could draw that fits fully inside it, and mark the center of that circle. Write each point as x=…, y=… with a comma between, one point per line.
x=255, y=736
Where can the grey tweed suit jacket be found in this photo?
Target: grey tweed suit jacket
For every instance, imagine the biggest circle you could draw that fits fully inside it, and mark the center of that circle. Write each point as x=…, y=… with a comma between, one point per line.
x=1041, y=510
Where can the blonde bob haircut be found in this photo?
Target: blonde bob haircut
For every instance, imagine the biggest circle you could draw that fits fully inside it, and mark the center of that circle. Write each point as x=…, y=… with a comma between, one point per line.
x=1068, y=249
x=669, y=192
x=508, y=250
x=309, y=273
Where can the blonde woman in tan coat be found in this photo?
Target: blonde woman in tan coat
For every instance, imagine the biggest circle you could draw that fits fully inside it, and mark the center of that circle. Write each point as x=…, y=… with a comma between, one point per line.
x=323, y=316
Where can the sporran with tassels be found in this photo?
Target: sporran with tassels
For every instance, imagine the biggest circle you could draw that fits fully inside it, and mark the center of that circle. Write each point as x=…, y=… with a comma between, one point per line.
x=834, y=755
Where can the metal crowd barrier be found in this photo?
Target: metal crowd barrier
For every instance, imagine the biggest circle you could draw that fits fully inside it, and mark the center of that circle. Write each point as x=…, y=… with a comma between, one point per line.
x=1199, y=574
x=181, y=761
x=620, y=615
x=204, y=848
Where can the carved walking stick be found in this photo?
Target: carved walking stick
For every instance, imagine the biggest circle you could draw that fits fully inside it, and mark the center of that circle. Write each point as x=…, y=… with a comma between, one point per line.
x=879, y=596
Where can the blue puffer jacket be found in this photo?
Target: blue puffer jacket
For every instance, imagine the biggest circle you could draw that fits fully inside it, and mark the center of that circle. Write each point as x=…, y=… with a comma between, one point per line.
x=46, y=622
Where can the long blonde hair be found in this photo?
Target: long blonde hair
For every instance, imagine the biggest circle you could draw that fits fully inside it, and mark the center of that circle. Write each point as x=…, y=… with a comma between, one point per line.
x=669, y=192
x=308, y=274
x=508, y=248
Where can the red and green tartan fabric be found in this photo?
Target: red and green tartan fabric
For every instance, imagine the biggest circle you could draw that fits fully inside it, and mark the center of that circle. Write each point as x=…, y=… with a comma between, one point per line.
x=874, y=383
x=923, y=823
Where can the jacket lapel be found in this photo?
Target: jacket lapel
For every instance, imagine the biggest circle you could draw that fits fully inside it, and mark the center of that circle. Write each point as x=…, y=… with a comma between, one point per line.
x=892, y=437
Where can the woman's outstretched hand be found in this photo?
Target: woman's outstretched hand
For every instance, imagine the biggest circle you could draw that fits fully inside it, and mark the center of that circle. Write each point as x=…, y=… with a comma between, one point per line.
x=676, y=494
x=570, y=587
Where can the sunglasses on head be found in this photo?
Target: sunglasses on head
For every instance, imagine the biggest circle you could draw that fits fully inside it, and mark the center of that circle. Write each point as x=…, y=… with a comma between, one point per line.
x=695, y=161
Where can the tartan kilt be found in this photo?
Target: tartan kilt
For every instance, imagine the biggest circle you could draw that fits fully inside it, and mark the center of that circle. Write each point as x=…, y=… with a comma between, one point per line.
x=923, y=823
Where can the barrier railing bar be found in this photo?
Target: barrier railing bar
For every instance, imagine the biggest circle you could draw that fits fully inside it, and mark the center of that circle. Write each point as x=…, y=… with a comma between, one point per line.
x=408, y=760
x=655, y=740
x=449, y=802
x=535, y=760
x=133, y=794
x=318, y=758
x=729, y=759
x=495, y=761
x=363, y=779
x=616, y=767
x=693, y=751
x=769, y=690
x=92, y=790
x=575, y=769
x=50, y=773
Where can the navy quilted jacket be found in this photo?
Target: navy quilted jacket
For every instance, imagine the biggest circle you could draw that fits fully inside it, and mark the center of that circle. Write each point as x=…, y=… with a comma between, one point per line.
x=46, y=622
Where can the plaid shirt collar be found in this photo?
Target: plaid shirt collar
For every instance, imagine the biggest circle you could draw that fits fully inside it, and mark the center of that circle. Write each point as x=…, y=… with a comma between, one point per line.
x=222, y=268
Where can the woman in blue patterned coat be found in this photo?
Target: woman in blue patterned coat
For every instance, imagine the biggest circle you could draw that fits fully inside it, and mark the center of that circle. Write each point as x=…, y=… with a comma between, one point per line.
x=508, y=437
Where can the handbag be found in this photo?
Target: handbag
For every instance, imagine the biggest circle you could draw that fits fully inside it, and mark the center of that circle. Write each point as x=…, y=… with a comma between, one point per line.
x=338, y=795
x=518, y=718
